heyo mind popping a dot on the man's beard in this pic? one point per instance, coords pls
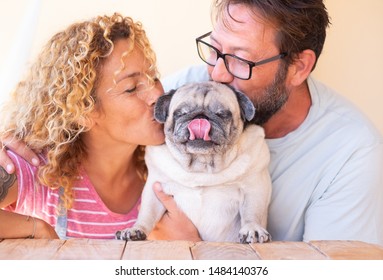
(272, 98)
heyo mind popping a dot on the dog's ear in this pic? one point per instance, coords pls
(245, 104)
(161, 108)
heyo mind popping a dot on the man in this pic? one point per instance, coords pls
(326, 157)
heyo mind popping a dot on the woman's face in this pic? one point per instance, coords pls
(124, 101)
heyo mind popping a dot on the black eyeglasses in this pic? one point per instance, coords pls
(236, 66)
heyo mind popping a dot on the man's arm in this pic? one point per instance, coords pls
(14, 225)
(7, 181)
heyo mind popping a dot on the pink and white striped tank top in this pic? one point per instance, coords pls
(88, 218)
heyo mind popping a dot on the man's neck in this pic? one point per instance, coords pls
(291, 115)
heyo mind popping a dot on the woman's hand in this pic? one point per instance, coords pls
(174, 224)
(20, 148)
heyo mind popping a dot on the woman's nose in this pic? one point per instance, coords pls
(219, 72)
(154, 93)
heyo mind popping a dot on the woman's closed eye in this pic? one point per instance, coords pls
(131, 90)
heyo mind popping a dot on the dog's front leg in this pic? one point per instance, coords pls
(150, 213)
(254, 210)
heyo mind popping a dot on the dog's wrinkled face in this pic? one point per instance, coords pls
(203, 118)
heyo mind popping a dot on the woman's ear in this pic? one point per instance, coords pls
(87, 122)
(302, 66)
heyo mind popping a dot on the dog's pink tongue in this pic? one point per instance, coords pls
(199, 129)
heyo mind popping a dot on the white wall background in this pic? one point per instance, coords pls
(351, 63)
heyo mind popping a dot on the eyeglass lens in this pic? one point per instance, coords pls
(234, 65)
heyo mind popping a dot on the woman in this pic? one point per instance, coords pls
(87, 106)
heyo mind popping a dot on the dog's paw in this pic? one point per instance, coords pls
(131, 234)
(253, 234)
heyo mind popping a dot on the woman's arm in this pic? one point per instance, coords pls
(14, 225)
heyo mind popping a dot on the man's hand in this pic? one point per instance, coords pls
(20, 148)
(174, 225)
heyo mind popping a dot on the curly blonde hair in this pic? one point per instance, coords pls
(49, 108)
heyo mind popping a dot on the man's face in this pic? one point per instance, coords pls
(243, 34)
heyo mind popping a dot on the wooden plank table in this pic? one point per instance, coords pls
(88, 249)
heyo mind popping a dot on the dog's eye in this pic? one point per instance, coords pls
(180, 112)
(224, 114)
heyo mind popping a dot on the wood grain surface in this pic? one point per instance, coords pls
(88, 249)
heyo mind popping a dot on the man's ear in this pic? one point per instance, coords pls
(302, 66)
(161, 108)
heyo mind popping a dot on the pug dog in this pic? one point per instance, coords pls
(214, 163)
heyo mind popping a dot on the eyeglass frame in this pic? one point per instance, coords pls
(250, 63)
